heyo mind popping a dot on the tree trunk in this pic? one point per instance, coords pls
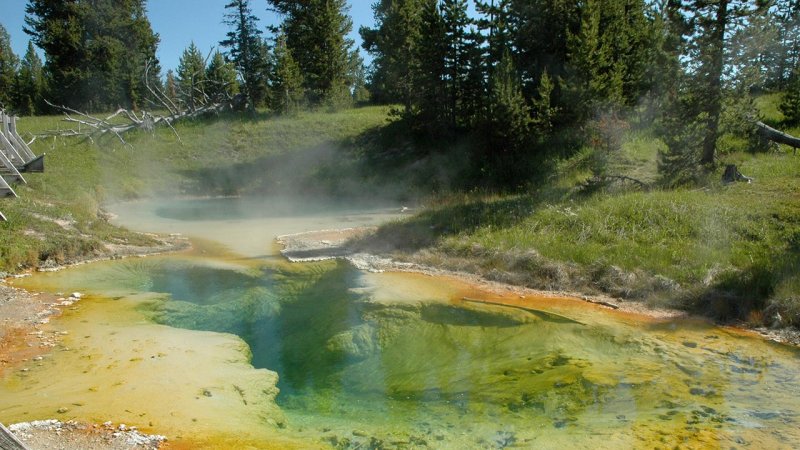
(777, 136)
(714, 93)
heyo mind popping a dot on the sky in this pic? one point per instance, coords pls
(178, 22)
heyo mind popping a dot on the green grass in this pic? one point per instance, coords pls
(768, 106)
(58, 214)
(722, 250)
(739, 242)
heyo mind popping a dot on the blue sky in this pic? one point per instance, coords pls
(180, 21)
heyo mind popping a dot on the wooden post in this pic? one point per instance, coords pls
(22, 147)
(5, 189)
(9, 170)
(6, 143)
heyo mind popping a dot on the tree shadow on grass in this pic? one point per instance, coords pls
(432, 225)
(378, 164)
(752, 294)
(286, 172)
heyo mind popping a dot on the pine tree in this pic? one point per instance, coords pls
(260, 90)
(509, 124)
(130, 25)
(715, 22)
(316, 33)
(393, 44)
(539, 35)
(790, 106)
(677, 165)
(96, 52)
(30, 83)
(431, 86)
(361, 94)
(220, 77)
(591, 65)
(509, 117)
(473, 94)
(287, 80)
(497, 21)
(609, 56)
(56, 28)
(8, 70)
(191, 78)
(171, 87)
(677, 111)
(456, 20)
(786, 18)
(542, 110)
(245, 49)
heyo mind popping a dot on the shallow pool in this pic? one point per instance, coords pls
(230, 346)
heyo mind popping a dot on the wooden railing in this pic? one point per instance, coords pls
(15, 157)
(8, 441)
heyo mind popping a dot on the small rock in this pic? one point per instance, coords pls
(360, 433)
(62, 410)
(777, 321)
(77, 295)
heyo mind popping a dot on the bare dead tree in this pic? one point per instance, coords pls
(123, 120)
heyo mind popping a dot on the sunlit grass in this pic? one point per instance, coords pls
(721, 249)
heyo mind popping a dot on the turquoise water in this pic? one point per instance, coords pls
(393, 360)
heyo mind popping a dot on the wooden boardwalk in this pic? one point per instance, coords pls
(8, 441)
(15, 157)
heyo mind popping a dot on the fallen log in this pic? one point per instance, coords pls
(778, 136)
(90, 126)
(124, 120)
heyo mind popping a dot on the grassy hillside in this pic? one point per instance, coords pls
(57, 215)
(730, 251)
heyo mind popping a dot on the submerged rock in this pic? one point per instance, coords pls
(358, 342)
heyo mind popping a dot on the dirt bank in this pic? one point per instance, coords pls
(328, 244)
(52, 434)
(346, 244)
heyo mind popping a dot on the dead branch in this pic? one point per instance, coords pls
(777, 136)
(89, 126)
(162, 97)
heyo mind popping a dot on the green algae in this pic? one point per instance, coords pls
(483, 374)
(397, 360)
